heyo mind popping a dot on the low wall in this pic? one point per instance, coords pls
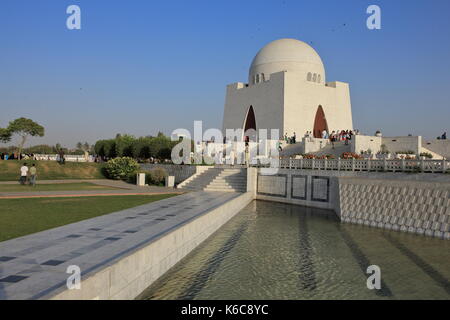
(311, 188)
(130, 276)
(181, 172)
(418, 203)
(441, 147)
(314, 145)
(398, 144)
(416, 207)
(364, 143)
(393, 144)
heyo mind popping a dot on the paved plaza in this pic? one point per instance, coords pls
(34, 266)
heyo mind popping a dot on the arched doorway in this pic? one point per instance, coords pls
(320, 123)
(250, 125)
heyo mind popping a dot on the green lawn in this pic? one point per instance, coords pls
(53, 187)
(19, 217)
(51, 170)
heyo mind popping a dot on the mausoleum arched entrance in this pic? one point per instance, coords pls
(320, 123)
(250, 126)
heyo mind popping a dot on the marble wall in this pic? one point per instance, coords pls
(416, 207)
(181, 172)
(416, 203)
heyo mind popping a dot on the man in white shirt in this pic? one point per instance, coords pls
(23, 173)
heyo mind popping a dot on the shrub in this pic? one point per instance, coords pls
(350, 155)
(121, 168)
(426, 155)
(156, 176)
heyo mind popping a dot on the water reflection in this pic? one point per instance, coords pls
(280, 251)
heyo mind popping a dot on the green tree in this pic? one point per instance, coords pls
(5, 135)
(124, 145)
(25, 128)
(40, 149)
(142, 148)
(105, 148)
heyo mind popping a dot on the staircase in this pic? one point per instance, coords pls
(218, 179)
(435, 155)
(292, 149)
(339, 148)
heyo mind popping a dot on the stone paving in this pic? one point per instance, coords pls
(34, 266)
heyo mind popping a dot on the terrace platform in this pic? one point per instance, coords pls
(145, 237)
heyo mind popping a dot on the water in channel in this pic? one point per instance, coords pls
(280, 251)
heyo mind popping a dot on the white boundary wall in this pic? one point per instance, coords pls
(416, 203)
(131, 275)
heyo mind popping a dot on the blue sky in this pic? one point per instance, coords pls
(142, 66)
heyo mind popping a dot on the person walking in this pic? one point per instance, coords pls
(332, 139)
(279, 148)
(23, 174)
(33, 175)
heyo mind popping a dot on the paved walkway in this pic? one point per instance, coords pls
(122, 188)
(96, 181)
(34, 266)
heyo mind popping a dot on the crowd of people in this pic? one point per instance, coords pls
(15, 156)
(335, 136)
(290, 140)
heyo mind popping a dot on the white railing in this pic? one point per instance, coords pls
(68, 158)
(400, 165)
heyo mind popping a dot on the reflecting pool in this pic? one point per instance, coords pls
(281, 251)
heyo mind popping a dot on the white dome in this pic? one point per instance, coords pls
(289, 55)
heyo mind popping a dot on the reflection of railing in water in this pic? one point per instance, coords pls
(400, 165)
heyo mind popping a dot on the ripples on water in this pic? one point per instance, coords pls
(280, 251)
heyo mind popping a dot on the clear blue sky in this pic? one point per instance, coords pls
(141, 66)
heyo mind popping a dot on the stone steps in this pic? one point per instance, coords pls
(217, 179)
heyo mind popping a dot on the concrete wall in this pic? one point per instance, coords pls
(396, 144)
(314, 145)
(393, 144)
(418, 203)
(441, 147)
(181, 172)
(130, 276)
(364, 143)
(302, 99)
(311, 188)
(266, 98)
(416, 207)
